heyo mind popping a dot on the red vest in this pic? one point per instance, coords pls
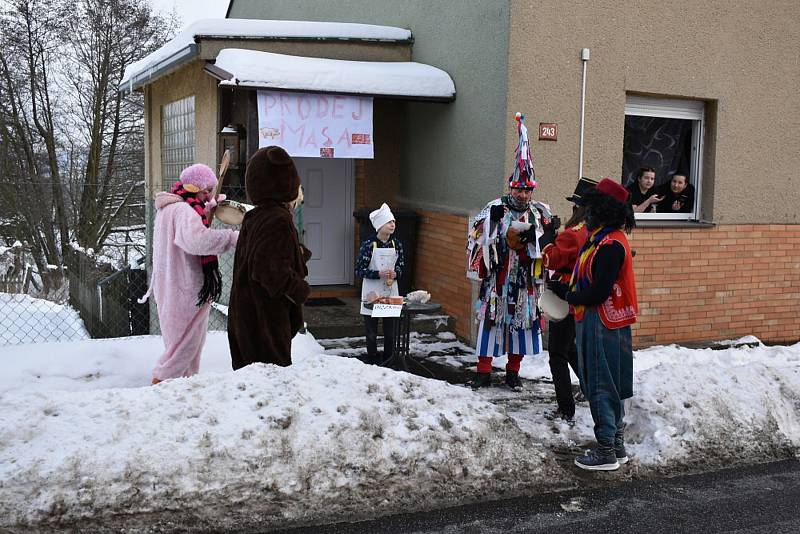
(621, 307)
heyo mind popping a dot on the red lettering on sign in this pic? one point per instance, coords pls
(303, 107)
(338, 104)
(328, 140)
(322, 106)
(344, 137)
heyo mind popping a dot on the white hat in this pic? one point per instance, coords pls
(381, 216)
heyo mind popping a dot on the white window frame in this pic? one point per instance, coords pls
(667, 108)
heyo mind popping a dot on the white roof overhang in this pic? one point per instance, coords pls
(184, 46)
(265, 70)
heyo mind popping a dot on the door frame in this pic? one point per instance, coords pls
(350, 200)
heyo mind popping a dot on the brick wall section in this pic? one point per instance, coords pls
(694, 285)
(441, 263)
(717, 283)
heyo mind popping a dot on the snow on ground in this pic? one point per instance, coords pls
(25, 319)
(326, 436)
(82, 435)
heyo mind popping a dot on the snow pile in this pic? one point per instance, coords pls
(700, 407)
(82, 437)
(26, 319)
(325, 437)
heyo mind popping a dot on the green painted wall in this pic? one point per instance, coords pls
(454, 155)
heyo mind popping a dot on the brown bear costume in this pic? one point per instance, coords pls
(269, 287)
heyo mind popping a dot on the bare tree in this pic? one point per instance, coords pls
(105, 36)
(71, 145)
(30, 39)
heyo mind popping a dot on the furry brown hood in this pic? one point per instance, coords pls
(271, 175)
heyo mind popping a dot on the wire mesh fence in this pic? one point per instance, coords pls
(80, 299)
(86, 297)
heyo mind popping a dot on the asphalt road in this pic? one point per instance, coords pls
(763, 498)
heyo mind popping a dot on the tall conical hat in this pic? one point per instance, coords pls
(523, 177)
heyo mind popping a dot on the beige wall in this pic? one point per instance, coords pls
(186, 81)
(354, 50)
(740, 56)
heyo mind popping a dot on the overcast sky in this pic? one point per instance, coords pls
(191, 10)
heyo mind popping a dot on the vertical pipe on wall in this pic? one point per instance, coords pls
(584, 61)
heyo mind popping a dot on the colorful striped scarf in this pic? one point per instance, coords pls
(580, 274)
(212, 281)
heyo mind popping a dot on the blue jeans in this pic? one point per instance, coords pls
(605, 370)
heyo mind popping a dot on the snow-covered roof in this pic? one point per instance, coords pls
(251, 68)
(183, 48)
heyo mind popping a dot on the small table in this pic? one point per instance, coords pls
(402, 333)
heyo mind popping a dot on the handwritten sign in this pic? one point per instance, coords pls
(315, 125)
(387, 310)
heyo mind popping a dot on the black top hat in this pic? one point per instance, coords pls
(584, 185)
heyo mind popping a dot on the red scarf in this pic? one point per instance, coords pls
(212, 281)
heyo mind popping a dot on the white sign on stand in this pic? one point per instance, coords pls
(387, 310)
(316, 125)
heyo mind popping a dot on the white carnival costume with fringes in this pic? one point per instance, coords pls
(511, 280)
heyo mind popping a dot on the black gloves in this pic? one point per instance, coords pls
(548, 237)
(528, 235)
(496, 212)
(559, 289)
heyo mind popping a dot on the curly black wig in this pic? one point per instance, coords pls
(605, 210)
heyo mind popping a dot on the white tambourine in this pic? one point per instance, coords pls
(232, 212)
(553, 308)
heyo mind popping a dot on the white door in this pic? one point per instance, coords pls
(328, 185)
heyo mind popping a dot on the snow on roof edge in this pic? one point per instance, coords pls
(252, 68)
(254, 29)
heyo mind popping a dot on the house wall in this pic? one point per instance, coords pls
(186, 81)
(739, 57)
(694, 283)
(443, 144)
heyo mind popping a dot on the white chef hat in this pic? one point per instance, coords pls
(381, 216)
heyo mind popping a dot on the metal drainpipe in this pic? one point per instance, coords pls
(584, 60)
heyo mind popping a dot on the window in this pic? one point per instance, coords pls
(177, 139)
(666, 135)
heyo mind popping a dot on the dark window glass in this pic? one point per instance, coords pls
(661, 143)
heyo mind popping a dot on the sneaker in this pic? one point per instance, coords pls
(621, 454)
(553, 415)
(597, 460)
(480, 380)
(513, 381)
(619, 448)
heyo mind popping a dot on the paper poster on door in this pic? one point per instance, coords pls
(315, 125)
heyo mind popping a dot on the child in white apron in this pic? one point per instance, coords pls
(380, 264)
